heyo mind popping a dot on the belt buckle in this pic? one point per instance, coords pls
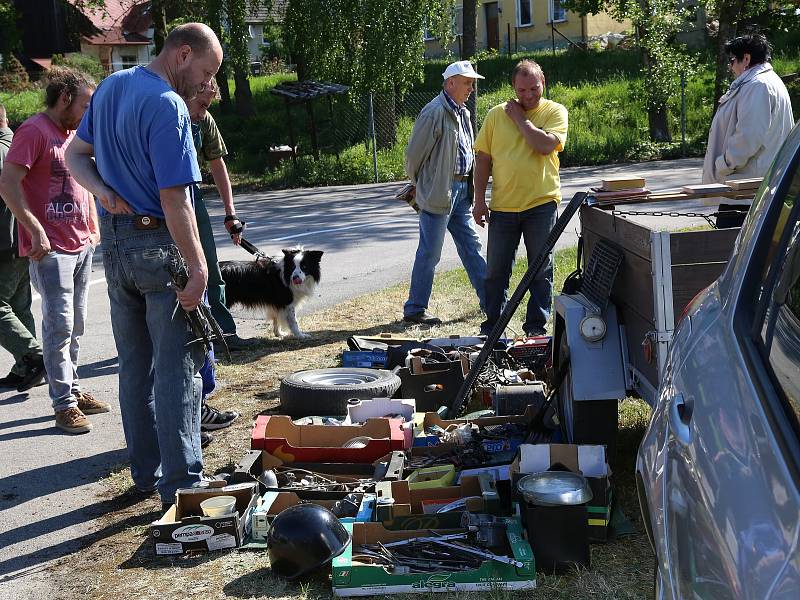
(146, 222)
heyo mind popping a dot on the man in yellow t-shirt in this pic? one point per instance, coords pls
(519, 145)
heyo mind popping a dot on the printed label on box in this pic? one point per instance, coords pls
(221, 541)
(175, 548)
(192, 533)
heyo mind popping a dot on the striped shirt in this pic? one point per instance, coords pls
(466, 155)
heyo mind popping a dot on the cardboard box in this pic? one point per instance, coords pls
(369, 359)
(274, 503)
(407, 509)
(357, 579)
(279, 436)
(589, 461)
(491, 446)
(362, 410)
(183, 528)
(255, 462)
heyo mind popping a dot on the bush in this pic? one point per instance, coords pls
(81, 62)
(13, 76)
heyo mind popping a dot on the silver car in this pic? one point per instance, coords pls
(718, 470)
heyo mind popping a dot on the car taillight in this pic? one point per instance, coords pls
(690, 306)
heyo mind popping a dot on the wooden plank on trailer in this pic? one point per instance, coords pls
(707, 246)
(688, 280)
(636, 330)
(623, 232)
(633, 285)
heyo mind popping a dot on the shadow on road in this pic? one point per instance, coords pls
(19, 566)
(99, 368)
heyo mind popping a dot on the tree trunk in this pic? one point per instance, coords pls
(470, 35)
(244, 97)
(215, 22)
(658, 124)
(729, 11)
(385, 119)
(159, 23)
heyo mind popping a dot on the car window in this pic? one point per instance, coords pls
(780, 332)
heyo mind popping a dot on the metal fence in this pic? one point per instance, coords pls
(378, 122)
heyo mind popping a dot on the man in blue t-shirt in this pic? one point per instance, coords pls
(138, 131)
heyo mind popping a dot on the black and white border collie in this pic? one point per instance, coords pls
(278, 286)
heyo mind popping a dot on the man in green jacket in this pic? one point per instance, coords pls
(439, 162)
(17, 329)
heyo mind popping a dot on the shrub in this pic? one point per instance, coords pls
(81, 62)
(13, 76)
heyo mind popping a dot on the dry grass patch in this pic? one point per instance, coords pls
(119, 565)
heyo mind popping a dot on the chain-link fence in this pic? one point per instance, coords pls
(367, 133)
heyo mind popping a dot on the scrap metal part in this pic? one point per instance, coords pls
(202, 323)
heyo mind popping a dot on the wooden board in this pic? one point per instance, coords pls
(707, 246)
(688, 280)
(623, 232)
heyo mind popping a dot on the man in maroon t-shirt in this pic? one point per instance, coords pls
(58, 232)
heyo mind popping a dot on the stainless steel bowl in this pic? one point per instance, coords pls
(555, 488)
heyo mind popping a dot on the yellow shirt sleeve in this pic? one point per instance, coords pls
(483, 143)
(556, 122)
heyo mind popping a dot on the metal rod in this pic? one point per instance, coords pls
(374, 143)
(513, 303)
(683, 114)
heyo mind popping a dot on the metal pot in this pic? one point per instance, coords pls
(555, 488)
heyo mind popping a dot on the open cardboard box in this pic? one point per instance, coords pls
(590, 461)
(491, 446)
(183, 528)
(353, 578)
(407, 511)
(386, 468)
(279, 436)
(274, 503)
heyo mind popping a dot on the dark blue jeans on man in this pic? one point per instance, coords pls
(159, 389)
(505, 229)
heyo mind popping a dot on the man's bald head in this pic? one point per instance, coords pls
(199, 37)
(191, 56)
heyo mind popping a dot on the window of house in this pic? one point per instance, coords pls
(458, 20)
(128, 60)
(557, 12)
(427, 34)
(524, 13)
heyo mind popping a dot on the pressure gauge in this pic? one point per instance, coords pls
(593, 328)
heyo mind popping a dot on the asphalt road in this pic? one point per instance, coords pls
(48, 479)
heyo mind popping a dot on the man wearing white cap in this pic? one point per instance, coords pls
(439, 162)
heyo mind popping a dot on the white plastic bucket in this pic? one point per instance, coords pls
(218, 506)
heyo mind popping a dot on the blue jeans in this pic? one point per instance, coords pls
(505, 229)
(432, 226)
(62, 281)
(159, 389)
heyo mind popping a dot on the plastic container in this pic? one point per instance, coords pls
(218, 506)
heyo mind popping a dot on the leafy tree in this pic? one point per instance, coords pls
(656, 23)
(372, 45)
(9, 32)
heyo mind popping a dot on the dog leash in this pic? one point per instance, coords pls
(253, 249)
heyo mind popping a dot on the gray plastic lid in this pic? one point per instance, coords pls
(555, 488)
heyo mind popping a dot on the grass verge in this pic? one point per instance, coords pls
(119, 564)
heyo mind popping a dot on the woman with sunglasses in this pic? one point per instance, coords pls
(753, 117)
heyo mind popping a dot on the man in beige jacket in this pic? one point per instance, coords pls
(439, 162)
(753, 118)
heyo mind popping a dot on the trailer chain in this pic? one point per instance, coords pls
(675, 213)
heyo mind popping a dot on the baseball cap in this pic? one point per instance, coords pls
(462, 67)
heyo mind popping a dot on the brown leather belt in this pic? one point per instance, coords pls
(146, 222)
(460, 177)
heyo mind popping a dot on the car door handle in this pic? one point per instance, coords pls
(680, 417)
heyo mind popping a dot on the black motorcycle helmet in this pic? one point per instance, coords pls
(303, 538)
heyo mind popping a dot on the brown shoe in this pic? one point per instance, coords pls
(89, 405)
(72, 420)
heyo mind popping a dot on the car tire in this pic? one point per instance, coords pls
(586, 421)
(326, 391)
